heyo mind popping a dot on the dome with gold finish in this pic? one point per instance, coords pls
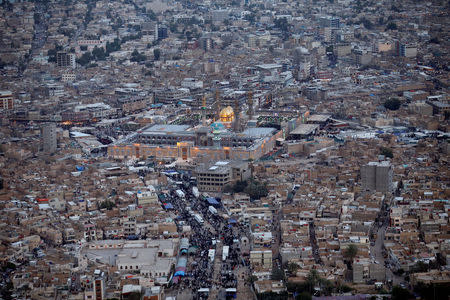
(227, 115)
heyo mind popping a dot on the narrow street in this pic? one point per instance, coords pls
(315, 248)
(217, 264)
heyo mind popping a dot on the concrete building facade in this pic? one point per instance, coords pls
(49, 141)
(377, 176)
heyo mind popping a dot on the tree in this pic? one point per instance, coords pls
(391, 26)
(114, 46)
(367, 23)
(420, 267)
(107, 204)
(303, 296)
(228, 188)
(250, 17)
(350, 252)
(387, 152)
(156, 54)
(432, 291)
(282, 24)
(312, 280)
(292, 267)
(239, 186)
(252, 279)
(99, 53)
(52, 53)
(136, 56)
(392, 104)
(434, 40)
(256, 190)
(399, 293)
(277, 274)
(85, 59)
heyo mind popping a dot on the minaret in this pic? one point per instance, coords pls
(250, 105)
(204, 111)
(237, 119)
(217, 104)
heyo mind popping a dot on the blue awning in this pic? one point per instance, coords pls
(232, 221)
(168, 206)
(212, 201)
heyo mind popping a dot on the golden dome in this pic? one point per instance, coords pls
(227, 114)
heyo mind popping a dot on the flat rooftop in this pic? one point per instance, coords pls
(304, 129)
(318, 118)
(269, 66)
(165, 128)
(258, 132)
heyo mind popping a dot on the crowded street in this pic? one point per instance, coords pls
(205, 277)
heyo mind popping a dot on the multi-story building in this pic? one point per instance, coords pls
(99, 288)
(329, 21)
(212, 178)
(64, 59)
(377, 176)
(184, 142)
(408, 50)
(171, 95)
(49, 141)
(132, 104)
(261, 257)
(68, 77)
(6, 100)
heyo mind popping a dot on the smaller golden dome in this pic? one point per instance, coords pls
(227, 114)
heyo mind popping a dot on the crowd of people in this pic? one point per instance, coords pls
(204, 236)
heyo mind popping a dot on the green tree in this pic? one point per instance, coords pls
(52, 53)
(136, 56)
(99, 53)
(156, 54)
(391, 26)
(399, 293)
(303, 296)
(350, 252)
(277, 274)
(312, 280)
(392, 104)
(282, 24)
(292, 267)
(387, 152)
(250, 17)
(256, 190)
(85, 59)
(112, 47)
(239, 186)
(252, 279)
(107, 204)
(434, 40)
(367, 23)
(420, 267)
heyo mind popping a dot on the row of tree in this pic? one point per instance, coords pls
(251, 187)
